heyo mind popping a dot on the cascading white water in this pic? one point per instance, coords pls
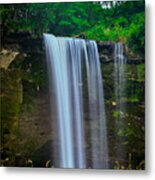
(120, 81)
(119, 61)
(67, 59)
(96, 109)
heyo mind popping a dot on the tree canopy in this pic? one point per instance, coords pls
(107, 21)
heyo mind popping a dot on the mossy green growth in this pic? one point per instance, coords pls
(116, 114)
(141, 72)
(11, 100)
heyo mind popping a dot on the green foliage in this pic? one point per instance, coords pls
(136, 33)
(124, 21)
(129, 166)
(58, 18)
(116, 114)
(134, 98)
(126, 132)
(141, 72)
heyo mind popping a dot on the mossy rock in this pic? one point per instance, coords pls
(11, 99)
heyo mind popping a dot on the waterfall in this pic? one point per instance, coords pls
(75, 82)
(119, 74)
(119, 86)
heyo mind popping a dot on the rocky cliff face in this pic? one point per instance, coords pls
(25, 102)
(22, 70)
(106, 51)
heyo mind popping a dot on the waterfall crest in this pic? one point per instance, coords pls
(75, 82)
